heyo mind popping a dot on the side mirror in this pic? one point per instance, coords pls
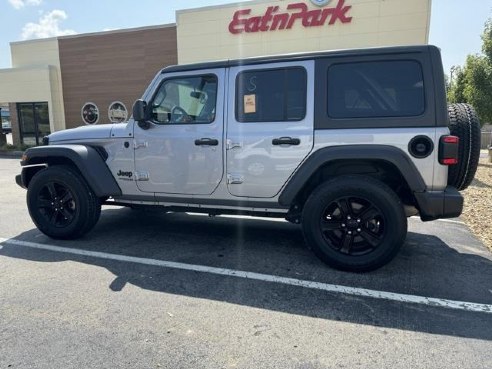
(139, 110)
(140, 113)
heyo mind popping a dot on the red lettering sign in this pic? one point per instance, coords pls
(274, 20)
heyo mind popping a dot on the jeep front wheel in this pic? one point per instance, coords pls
(61, 204)
(354, 223)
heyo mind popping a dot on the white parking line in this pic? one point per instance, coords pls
(443, 220)
(382, 295)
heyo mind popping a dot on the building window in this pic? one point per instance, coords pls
(117, 112)
(190, 100)
(34, 122)
(376, 90)
(275, 95)
(5, 120)
(90, 113)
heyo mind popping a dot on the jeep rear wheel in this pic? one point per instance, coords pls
(464, 123)
(354, 223)
(61, 204)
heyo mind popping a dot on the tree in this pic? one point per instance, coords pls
(472, 83)
(456, 90)
(478, 90)
(487, 40)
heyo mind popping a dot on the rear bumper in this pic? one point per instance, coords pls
(439, 204)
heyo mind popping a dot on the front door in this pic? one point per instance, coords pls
(181, 152)
(34, 122)
(270, 126)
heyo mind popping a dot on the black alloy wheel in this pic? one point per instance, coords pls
(61, 203)
(353, 226)
(354, 223)
(56, 204)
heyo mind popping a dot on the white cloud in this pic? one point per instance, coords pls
(48, 26)
(18, 4)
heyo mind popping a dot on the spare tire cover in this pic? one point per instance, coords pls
(464, 123)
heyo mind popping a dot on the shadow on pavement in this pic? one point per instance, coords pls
(480, 184)
(426, 266)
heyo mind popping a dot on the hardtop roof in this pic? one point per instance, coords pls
(300, 56)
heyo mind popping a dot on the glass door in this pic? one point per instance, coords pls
(42, 119)
(26, 123)
(34, 122)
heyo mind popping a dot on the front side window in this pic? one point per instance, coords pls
(376, 90)
(275, 95)
(186, 100)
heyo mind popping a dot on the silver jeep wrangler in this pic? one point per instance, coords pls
(346, 143)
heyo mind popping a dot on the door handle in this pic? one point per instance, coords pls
(286, 141)
(207, 142)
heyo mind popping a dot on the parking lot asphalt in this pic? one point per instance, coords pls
(125, 296)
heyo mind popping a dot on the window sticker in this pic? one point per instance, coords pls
(252, 84)
(249, 104)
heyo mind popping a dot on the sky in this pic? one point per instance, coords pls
(456, 25)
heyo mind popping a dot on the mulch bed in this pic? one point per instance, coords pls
(477, 213)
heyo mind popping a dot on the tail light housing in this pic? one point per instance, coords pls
(449, 150)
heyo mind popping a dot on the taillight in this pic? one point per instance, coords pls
(448, 150)
(449, 161)
(451, 139)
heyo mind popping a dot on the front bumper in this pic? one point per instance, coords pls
(19, 180)
(439, 204)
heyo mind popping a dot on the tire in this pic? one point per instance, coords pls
(464, 123)
(354, 223)
(61, 203)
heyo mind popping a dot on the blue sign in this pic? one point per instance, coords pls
(320, 2)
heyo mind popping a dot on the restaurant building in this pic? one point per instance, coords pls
(94, 78)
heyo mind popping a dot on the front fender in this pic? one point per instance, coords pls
(86, 159)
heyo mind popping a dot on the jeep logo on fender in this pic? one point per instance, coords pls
(124, 174)
(274, 19)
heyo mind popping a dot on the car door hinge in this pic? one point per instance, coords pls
(139, 144)
(233, 145)
(234, 179)
(142, 176)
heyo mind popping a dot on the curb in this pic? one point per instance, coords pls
(11, 154)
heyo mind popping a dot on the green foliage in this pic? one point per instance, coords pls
(479, 87)
(456, 89)
(487, 40)
(472, 83)
(9, 147)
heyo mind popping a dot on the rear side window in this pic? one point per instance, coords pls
(376, 90)
(275, 95)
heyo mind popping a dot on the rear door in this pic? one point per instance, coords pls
(269, 125)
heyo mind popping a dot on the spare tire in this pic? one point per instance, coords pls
(464, 123)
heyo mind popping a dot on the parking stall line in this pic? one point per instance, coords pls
(353, 291)
(443, 220)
